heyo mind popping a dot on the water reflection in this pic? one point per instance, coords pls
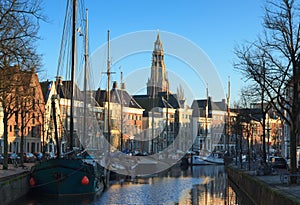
(48, 200)
(195, 185)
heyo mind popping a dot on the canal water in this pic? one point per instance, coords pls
(207, 185)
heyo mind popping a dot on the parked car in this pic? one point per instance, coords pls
(49, 155)
(269, 158)
(38, 156)
(13, 156)
(29, 157)
(278, 162)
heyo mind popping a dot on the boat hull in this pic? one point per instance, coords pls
(197, 160)
(214, 160)
(65, 177)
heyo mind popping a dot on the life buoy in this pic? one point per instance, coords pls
(85, 180)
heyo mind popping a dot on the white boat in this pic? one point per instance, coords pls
(215, 157)
(199, 160)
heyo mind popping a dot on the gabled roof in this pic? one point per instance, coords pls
(162, 100)
(100, 96)
(122, 96)
(199, 107)
(220, 106)
(46, 85)
(24, 80)
(64, 90)
(116, 96)
(203, 103)
(249, 113)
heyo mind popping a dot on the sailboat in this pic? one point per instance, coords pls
(69, 173)
(218, 157)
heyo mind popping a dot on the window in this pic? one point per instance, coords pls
(33, 91)
(63, 110)
(33, 119)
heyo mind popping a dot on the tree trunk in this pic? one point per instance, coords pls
(294, 131)
(22, 136)
(5, 135)
(264, 155)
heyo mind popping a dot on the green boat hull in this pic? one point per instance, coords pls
(66, 177)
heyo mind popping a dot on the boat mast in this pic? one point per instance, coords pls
(55, 127)
(86, 58)
(206, 116)
(108, 91)
(73, 67)
(152, 117)
(228, 117)
(167, 118)
(121, 76)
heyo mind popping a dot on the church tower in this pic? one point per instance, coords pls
(158, 82)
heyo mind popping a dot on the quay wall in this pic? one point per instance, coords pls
(14, 187)
(258, 191)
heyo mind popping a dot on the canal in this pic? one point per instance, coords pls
(192, 185)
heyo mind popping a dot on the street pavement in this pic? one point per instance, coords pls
(11, 171)
(276, 179)
(286, 188)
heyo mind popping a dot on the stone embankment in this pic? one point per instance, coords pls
(14, 183)
(264, 190)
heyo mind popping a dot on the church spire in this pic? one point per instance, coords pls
(158, 44)
(158, 82)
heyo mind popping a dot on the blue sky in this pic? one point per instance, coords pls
(215, 26)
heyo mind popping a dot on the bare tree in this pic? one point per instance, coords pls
(19, 25)
(9, 85)
(273, 63)
(252, 95)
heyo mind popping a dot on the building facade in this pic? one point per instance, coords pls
(25, 112)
